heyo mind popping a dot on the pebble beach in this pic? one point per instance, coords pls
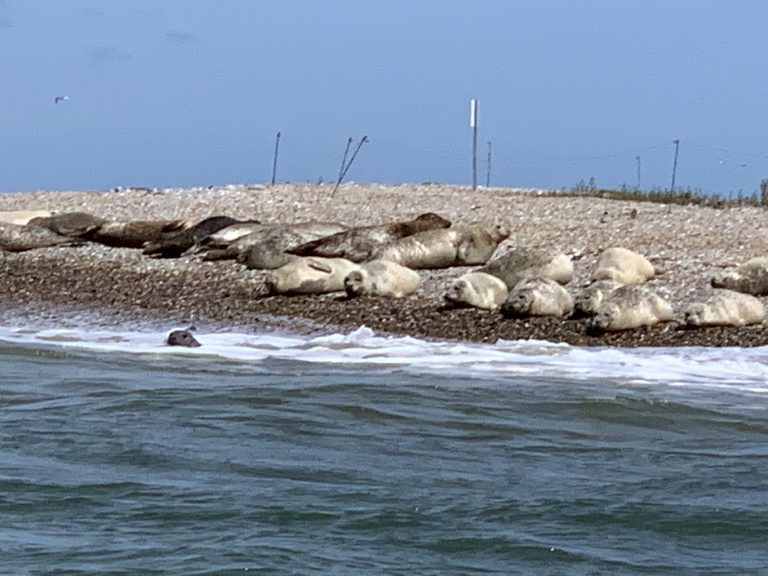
(687, 244)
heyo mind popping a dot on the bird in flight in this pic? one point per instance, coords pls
(58, 99)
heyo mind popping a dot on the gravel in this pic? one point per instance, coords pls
(687, 244)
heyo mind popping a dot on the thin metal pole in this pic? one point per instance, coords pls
(674, 165)
(341, 168)
(488, 168)
(474, 158)
(363, 140)
(274, 161)
(345, 165)
(638, 171)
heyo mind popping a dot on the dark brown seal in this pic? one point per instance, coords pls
(174, 244)
(132, 234)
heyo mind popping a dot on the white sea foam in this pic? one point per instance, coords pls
(731, 368)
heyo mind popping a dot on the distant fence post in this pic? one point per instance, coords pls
(344, 164)
(674, 165)
(473, 125)
(274, 160)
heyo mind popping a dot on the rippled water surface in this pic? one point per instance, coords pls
(358, 455)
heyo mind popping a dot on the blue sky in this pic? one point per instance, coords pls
(192, 92)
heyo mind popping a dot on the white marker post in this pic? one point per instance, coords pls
(473, 125)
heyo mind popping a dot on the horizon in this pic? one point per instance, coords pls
(190, 93)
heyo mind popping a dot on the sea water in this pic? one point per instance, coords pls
(361, 453)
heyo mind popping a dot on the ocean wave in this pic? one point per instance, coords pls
(743, 368)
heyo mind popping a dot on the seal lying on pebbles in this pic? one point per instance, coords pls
(359, 244)
(586, 302)
(381, 278)
(725, 308)
(182, 338)
(622, 265)
(310, 276)
(751, 277)
(271, 253)
(174, 244)
(537, 297)
(69, 223)
(132, 234)
(478, 290)
(19, 238)
(630, 307)
(465, 245)
(285, 235)
(520, 263)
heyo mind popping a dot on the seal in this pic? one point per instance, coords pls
(725, 308)
(359, 244)
(276, 235)
(466, 245)
(132, 234)
(630, 307)
(539, 296)
(19, 238)
(182, 338)
(588, 300)
(69, 223)
(623, 265)
(309, 276)
(381, 278)
(519, 263)
(174, 244)
(751, 277)
(478, 290)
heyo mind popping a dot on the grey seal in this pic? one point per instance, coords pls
(381, 278)
(519, 263)
(751, 277)
(725, 308)
(628, 307)
(182, 338)
(465, 245)
(19, 238)
(310, 276)
(132, 234)
(476, 289)
(359, 244)
(623, 265)
(538, 296)
(69, 223)
(174, 244)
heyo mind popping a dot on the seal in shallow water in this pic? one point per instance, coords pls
(182, 338)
